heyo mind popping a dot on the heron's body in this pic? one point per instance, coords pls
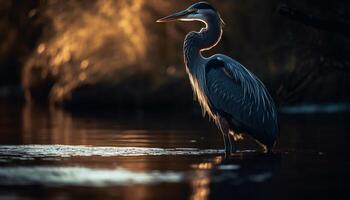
(228, 92)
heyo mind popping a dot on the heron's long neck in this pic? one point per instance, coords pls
(196, 42)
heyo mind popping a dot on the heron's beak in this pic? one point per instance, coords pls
(176, 16)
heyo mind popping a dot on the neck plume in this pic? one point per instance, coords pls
(206, 39)
(196, 42)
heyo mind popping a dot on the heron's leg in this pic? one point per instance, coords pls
(233, 143)
(224, 128)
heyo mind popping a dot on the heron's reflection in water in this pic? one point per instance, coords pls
(221, 176)
(201, 183)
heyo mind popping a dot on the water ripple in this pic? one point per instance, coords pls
(82, 176)
(30, 152)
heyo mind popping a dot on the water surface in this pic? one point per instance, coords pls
(48, 153)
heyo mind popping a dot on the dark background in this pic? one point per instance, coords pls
(94, 53)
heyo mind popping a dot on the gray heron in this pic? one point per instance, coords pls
(236, 100)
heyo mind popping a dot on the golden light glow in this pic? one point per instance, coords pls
(91, 42)
(236, 136)
(120, 21)
(132, 26)
(201, 188)
(200, 185)
(84, 64)
(206, 165)
(41, 48)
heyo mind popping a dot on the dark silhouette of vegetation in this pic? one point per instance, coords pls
(324, 65)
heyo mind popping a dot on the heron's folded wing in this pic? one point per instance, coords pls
(233, 90)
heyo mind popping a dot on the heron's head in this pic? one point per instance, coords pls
(201, 11)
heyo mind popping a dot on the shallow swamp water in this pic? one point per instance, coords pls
(48, 153)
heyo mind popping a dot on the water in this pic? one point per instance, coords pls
(47, 153)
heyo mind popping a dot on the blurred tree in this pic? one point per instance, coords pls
(113, 52)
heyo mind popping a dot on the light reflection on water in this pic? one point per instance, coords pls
(31, 152)
(107, 155)
(82, 176)
(316, 108)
